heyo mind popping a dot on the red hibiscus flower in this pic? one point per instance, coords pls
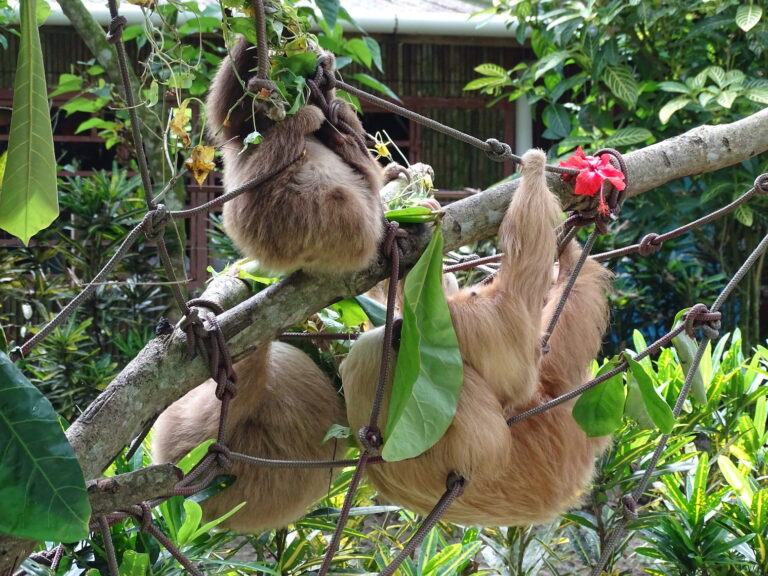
(593, 172)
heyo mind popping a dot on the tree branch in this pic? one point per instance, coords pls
(162, 372)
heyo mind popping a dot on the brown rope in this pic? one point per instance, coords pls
(653, 242)
(454, 487)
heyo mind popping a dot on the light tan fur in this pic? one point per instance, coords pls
(534, 470)
(323, 212)
(283, 408)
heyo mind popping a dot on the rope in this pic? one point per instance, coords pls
(653, 242)
(454, 487)
(495, 150)
(567, 290)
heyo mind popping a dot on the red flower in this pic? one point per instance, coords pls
(593, 172)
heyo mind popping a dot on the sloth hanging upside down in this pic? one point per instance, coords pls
(531, 471)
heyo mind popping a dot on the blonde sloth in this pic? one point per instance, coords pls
(531, 471)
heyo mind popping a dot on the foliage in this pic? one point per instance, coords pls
(429, 372)
(706, 512)
(80, 357)
(611, 73)
(28, 191)
(42, 481)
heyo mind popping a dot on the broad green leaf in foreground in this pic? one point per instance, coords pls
(599, 410)
(656, 407)
(28, 197)
(41, 483)
(429, 371)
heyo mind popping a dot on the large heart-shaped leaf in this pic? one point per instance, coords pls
(41, 483)
(429, 371)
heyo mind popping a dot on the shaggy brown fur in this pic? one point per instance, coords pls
(534, 470)
(283, 409)
(321, 213)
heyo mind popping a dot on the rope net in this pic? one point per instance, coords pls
(205, 337)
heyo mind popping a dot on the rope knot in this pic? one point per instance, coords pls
(699, 316)
(155, 221)
(116, 27)
(225, 387)
(221, 455)
(498, 151)
(761, 184)
(370, 438)
(650, 244)
(630, 507)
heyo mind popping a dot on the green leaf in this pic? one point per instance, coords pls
(329, 10)
(671, 107)
(207, 527)
(759, 510)
(450, 558)
(359, 51)
(41, 483)
(599, 410)
(349, 311)
(747, 16)
(429, 371)
(376, 311)
(557, 120)
(717, 74)
(744, 214)
(3, 341)
(134, 563)
(634, 407)
(626, 137)
(492, 70)
(484, 82)
(697, 506)
(735, 479)
(549, 62)
(67, 83)
(658, 410)
(371, 82)
(193, 514)
(621, 82)
(759, 95)
(28, 198)
(375, 50)
(726, 98)
(412, 214)
(674, 87)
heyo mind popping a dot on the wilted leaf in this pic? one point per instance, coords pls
(178, 125)
(200, 163)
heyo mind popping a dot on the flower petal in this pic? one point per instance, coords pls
(587, 183)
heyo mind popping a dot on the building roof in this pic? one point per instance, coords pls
(411, 17)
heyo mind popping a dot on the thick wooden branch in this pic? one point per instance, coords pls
(162, 371)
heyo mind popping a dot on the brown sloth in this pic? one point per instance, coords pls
(321, 213)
